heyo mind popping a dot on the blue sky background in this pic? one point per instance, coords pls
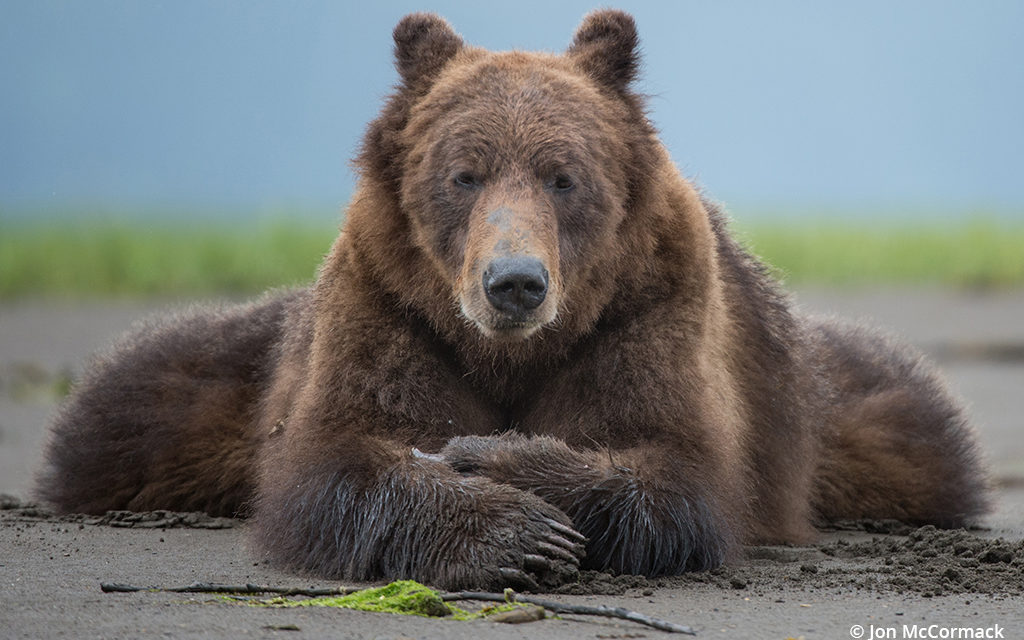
(251, 106)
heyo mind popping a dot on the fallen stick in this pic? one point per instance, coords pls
(508, 596)
(210, 587)
(578, 609)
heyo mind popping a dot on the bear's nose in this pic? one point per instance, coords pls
(515, 284)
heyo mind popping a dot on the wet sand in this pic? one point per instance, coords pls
(878, 575)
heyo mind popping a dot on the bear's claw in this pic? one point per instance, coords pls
(567, 532)
(534, 562)
(519, 580)
(558, 552)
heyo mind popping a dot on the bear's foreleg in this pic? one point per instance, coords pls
(374, 513)
(641, 512)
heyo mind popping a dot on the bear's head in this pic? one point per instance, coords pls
(513, 172)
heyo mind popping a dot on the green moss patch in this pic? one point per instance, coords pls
(404, 597)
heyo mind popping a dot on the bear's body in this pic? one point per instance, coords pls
(534, 346)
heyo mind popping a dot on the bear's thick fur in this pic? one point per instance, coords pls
(533, 347)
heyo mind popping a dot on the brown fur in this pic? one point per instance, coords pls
(660, 397)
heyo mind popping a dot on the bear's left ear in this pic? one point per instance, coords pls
(424, 43)
(605, 47)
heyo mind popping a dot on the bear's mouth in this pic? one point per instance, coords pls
(501, 327)
(512, 329)
(505, 329)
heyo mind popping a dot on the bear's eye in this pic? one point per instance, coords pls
(467, 180)
(562, 183)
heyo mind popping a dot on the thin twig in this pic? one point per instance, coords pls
(551, 605)
(210, 587)
(578, 609)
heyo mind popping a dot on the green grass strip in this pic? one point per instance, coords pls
(122, 259)
(132, 259)
(976, 254)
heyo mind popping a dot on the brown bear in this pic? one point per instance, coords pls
(534, 347)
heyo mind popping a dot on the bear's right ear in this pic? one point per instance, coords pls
(424, 43)
(605, 47)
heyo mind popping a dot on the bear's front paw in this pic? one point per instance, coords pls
(471, 455)
(554, 561)
(548, 554)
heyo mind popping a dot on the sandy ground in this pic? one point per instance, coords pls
(885, 581)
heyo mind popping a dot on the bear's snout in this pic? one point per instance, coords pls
(515, 285)
(509, 286)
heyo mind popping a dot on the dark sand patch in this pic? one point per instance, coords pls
(923, 561)
(13, 509)
(926, 562)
